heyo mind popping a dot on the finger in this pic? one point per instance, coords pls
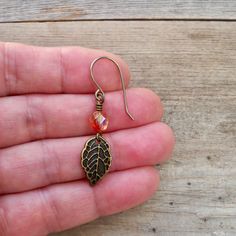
(27, 118)
(29, 69)
(58, 160)
(63, 206)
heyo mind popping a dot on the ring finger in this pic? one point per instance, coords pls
(42, 163)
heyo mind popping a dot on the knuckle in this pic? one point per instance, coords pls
(50, 205)
(9, 67)
(3, 221)
(50, 163)
(35, 119)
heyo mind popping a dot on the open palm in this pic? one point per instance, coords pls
(46, 100)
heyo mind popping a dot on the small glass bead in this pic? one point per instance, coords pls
(98, 121)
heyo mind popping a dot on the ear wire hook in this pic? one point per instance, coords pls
(121, 78)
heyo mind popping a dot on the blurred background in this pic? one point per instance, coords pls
(186, 52)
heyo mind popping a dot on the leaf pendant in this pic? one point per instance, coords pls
(96, 158)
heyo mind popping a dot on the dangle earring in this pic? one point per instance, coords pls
(96, 155)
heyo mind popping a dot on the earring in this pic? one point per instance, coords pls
(96, 155)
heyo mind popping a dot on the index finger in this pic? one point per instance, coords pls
(28, 69)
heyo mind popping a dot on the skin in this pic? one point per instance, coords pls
(46, 100)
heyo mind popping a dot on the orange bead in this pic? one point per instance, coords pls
(98, 121)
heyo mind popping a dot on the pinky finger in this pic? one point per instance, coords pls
(59, 207)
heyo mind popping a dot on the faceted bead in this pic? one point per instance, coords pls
(98, 121)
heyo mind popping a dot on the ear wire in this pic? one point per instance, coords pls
(100, 91)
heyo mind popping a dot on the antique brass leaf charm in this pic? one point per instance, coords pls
(96, 158)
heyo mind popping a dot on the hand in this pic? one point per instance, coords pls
(46, 100)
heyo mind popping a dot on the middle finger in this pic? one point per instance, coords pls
(32, 117)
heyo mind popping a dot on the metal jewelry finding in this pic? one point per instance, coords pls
(96, 155)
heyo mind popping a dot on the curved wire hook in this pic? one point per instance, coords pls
(121, 78)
